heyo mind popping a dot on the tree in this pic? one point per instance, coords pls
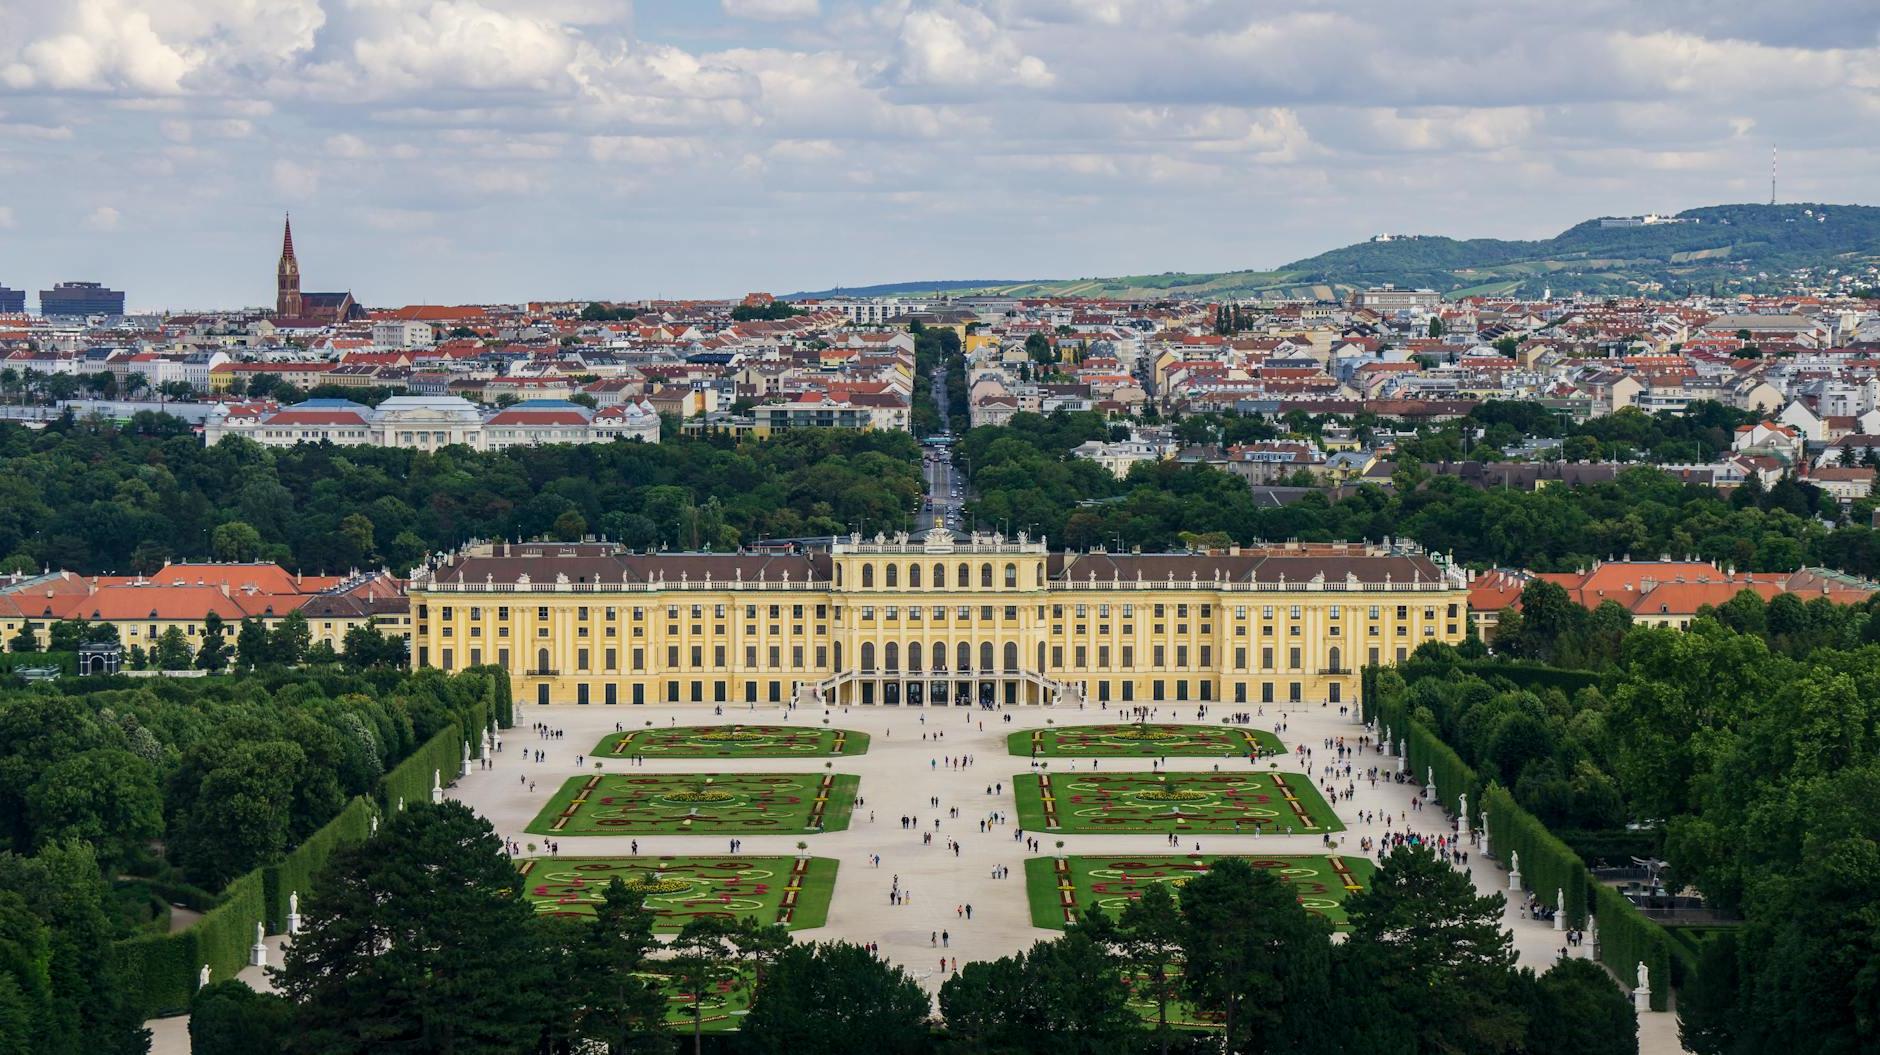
(367, 646)
(107, 797)
(1152, 947)
(1436, 326)
(252, 647)
(1429, 962)
(1253, 956)
(1039, 350)
(27, 640)
(1708, 1003)
(172, 651)
(1577, 1009)
(288, 643)
(701, 954)
(67, 634)
(229, 1018)
(828, 997)
(235, 541)
(619, 1005)
(759, 944)
(421, 940)
(213, 655)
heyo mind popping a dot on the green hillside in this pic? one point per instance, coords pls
(1736, 248)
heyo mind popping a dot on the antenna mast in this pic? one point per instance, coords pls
(1772, 175)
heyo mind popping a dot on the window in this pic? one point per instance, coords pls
(580, 659)
(612, 657)
(1292, 659)
(939, 575)
(985, 576)
(868, 576)
(1011, 576)
(913, 576)
(868, 655)
(892, 575)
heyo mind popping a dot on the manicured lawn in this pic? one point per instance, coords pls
(1079, 884)
(1197, 803)
(699, 804)
(677, 889)
(1144, 740)
(723, 1009)
(732, 741)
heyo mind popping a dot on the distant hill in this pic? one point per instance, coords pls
(896, 289)
(1734, 248)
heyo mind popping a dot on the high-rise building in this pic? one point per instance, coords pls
(81, 298)
(12, 301)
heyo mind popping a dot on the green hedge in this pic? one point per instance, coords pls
(1521, 675)
(1627, 939)
(1548, 866)
(160, 969)
(294, 873)
(410, 781)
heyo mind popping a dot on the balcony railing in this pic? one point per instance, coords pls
(543, 673)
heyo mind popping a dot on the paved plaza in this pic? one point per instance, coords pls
(948, 856)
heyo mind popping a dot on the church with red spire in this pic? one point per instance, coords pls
(306, 311)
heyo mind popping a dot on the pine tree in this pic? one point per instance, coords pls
(421, 941)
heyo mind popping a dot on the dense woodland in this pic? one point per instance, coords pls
(119, 797)
(94, 497)
(1021, 478)
(1745, 750)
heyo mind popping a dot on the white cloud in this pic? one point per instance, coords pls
(103, 218)
(954, 48)
(294, 180)
(772, 10)
(6, 217)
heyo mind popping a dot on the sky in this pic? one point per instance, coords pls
(502, 150)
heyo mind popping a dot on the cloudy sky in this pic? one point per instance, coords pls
(462, 150)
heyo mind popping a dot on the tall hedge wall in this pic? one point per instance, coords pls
(1548, 866)
(161, 969)
(410, 781)
(1627, 939)
(294, 873)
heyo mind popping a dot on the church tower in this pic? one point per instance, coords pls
(287, 277)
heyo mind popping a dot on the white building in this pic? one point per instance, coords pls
(433, 422)
(398, 334)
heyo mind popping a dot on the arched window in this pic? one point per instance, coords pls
(913, 653)
(985, 575)
(985, 656)
(1040, 575)
(868, 576)
(1011, 656)
(940, 656)
(868, 655)
(838, 665)
(939, 576)
(966, 657)
(1333, 657)
(541, 661)
(1011, 576)
(913, 576)
(966, 576)
(1041, 657)
(891, 656)
(838, 576)
(893, 575)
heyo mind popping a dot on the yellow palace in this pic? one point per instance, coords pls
(941, 619)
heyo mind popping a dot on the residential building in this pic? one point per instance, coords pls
(79, 299)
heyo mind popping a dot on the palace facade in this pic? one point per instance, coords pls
(942, 619)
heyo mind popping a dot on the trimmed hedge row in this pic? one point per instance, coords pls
(294, 873)
(1429, 756)
(1548, 866)
(1627, 939)
(161, 969)
(1521, 675)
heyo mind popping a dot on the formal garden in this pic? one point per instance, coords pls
(675, 890)
(1086, 803)
(699, 804)
(1145, 740)
(732, 741)
(1063, 889)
